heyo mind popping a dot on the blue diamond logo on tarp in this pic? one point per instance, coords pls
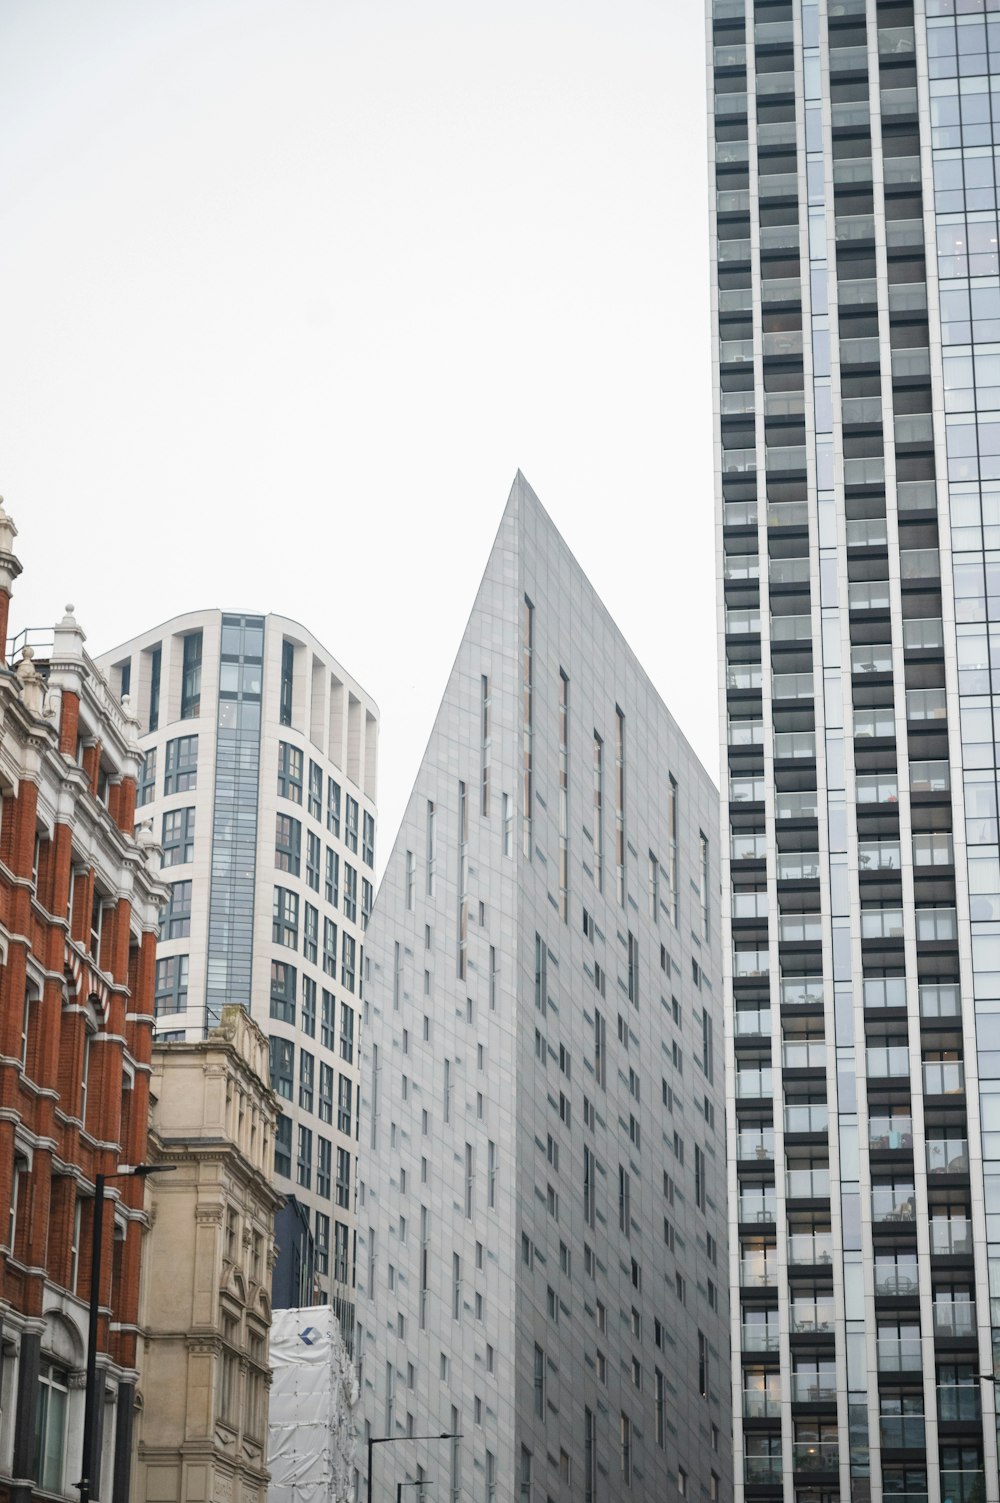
(309, 1335)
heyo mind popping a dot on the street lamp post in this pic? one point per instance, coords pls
(90, 1408)
(388, 1440)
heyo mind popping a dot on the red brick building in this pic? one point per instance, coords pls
(79, 906)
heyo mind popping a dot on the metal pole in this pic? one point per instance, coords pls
(90, 1398)
(371, 1447)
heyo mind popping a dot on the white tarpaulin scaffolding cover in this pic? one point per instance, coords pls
(313, 1394)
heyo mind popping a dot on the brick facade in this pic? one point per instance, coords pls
(79, 904)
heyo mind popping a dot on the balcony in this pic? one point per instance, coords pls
(816, 1455)
(851, 172)
(865, 471)
(866, 532)
(903, 172)
(884, 991)
(741, 623)
(791, 628)
(738, 403)
(944, 1078)
(930, 777)
(898, 1279)
(732, 55)
(809, 1316)
(881, 923)
(727, 105)
(775, 83)
(788, 571)
(779, 237)
(753, 1023)
(762, 1471)
(902, 1432)
(893, 1203)
(937, 924)
(954, 1319)
(919, 563)
(760, 1336)
(748, 905)
(734, 250)
(800, 928)
(923, 634)
(877, 722)
(763, 1403)
(868, 595)
(782, 290)
(879, 856)
(877, 788)
(783, 404)
(865, 351)
(810, 1248)
(926, 704)
(849, 116)
(904, 234)
(963, 1485)
(916, 495)
(899, 1354)
(746, 790)
(739, 462)
(951, 1237)
(933, 848)
(910, 365)
(793, 744)
(787, 513)
(871, 657)
(746, 733)
(851, 228)
(959, 1403)
(814, 1387)
(803, 805)
(805, 1054)
(896, 41)
(735, 351)
(754, 1084)
(748, 847)
(751, 963)
(759, 1272)
(890, 1133)
(740, 567)
(792, 686)
(807, 1184)
(887, 1061)
(941, 1000)
(859, 292)
(773, 33)
(798, 866)
(739, 514)
(896, 102)
(806, 1117)
(784, 344)
(802, 991)
(755, 1144)
(915, 428)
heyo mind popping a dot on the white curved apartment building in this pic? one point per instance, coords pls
(259, 780)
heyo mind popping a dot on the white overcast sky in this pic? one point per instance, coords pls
(290, 288)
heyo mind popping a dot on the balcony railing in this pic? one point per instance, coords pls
(803, 805)
(804, 1054)
(763, 1403)
(885, 991)
(813, 1388)
(807, 1184)
(816, 1455)
(755, 1143)
(741, 566)
(926, 704)
(756, 1024)
(899, 1354)
(812, 1315)
(761, 1470)
(746, 790)
(877, 788)
(784, 343)
(923, 634)
(916, 495)
(746, 733)
(792, 686)
(759, 1337)
(917, 427)
(891, 1132)
(743, 676)
(868, 595)
(800, 928)
(872, 657)
(896, 41)
(951, 1236)
(735, 351)
(895, 1279)
(801, 991)
(749, 904)
(737, 404)
(739, 514)
(933, 848)
(759, 1273)
(798, 866)
(788, 744)
(902, 1432)
(937, 923)
(850, 228)
(898, 102)
(807, 1116)
(944, 1078)
(947, 1155)
(789, 571)
(791, 628)
(864, 351)
(940, 1000)
(876, 721)
(893, 1203)
(879, 855)
(886, 1061)
(753, 1084)
(810, 1248)
(881, 923)
(742, 623)
(954, 1318)
(869, 470)
(748, 846)
(930, 777)
(751, 963)
(901, 234)
(866, 532)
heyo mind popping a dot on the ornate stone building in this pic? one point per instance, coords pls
(79, 908)
(206, 1304)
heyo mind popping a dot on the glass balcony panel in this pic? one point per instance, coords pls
(763, 1403)
(937, 923)
(885, 991)
(739, 514)
(861, 409)
(933, 849)
(751, 1084)
(930, 777)
(784, 404)
(926, 704)
(916, 428)
(866, 532)
(813, 1388)
(798, 866)
(954, 1318)
(916, 495)
(898, 102)
(732, 55)
(884, 1061)
(852, 227)
(951, 1236)
(848, 59)
(759, 1337)
(747, 905)
(898, 1354)
(743, 676)
(941, 1000)
(816, 1455)
(963, 1485)
(804, 1054)
(910, 364)
(879, 855)
(791, 628)
(846, 116)
(735, 351)
(778, 237)
(800, 928)
(751, 963)
(746, 733)
(781, 290)
(741, 566)
(792, 686)
(895, 1279)
(901, 234)
(762, 1470)
(732, 200)
(772, 33)
(868, 595)
(902, 1432)
(748, 847)
(947, 1155)
(807, 1184)
(896, 41)
(742, 623)
(727, 105)
(919, 563)
(789, 571)
(739, 461)
(872, 657)
(858, 292)
(881, 923)
(753, 1023)
(864, 471)
(802, 991)
(755, 1143)
(877, 788)
(890, 1132)
(738, 404)
(852, 171)
(788, 744)
(923, 634)
(807, 1116)
(944, 1078)
(900, 172)
(892, 1203)
(746, 790)
(784, 343)
(728, 153)
(876, 721)
(810, 1248)
(959, 1401)
(812, 1315)
(786, 513)
(734, 250)
(775, 83)
(864, 351)
(803, 805)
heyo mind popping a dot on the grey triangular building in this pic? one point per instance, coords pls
(541, 1224)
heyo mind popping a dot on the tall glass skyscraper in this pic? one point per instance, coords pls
(857, 324)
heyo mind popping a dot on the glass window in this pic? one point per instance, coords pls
(304, 1160)
(289, 772)
(310, 933)
(191, 676)
(51, 1413)
(327, 1019)
(178, 837)
(351, 823)
(155, 663)
(287, 844)
(176, 922)
(171, 988)
(146, 787)
(282, 991)
(331, 889)
(330, 947)
(333, 807)
(350, 892)
(345, 1092)
(306, 1076)
(287, 679)
(343, 1177)
(308, 1018)
(326, 1073)
(348, 950)
(282, 1059)
(315, 790)
(283, 1147)
(324, 1167)
(181, 773)
(346, 1033)
(312, 860)
(285, 918)
(368, 839)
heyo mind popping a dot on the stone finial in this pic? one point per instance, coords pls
(10, 567)
(8, 532)
(145, 837)
(69, 639)
(132, 723)
(31, 682)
